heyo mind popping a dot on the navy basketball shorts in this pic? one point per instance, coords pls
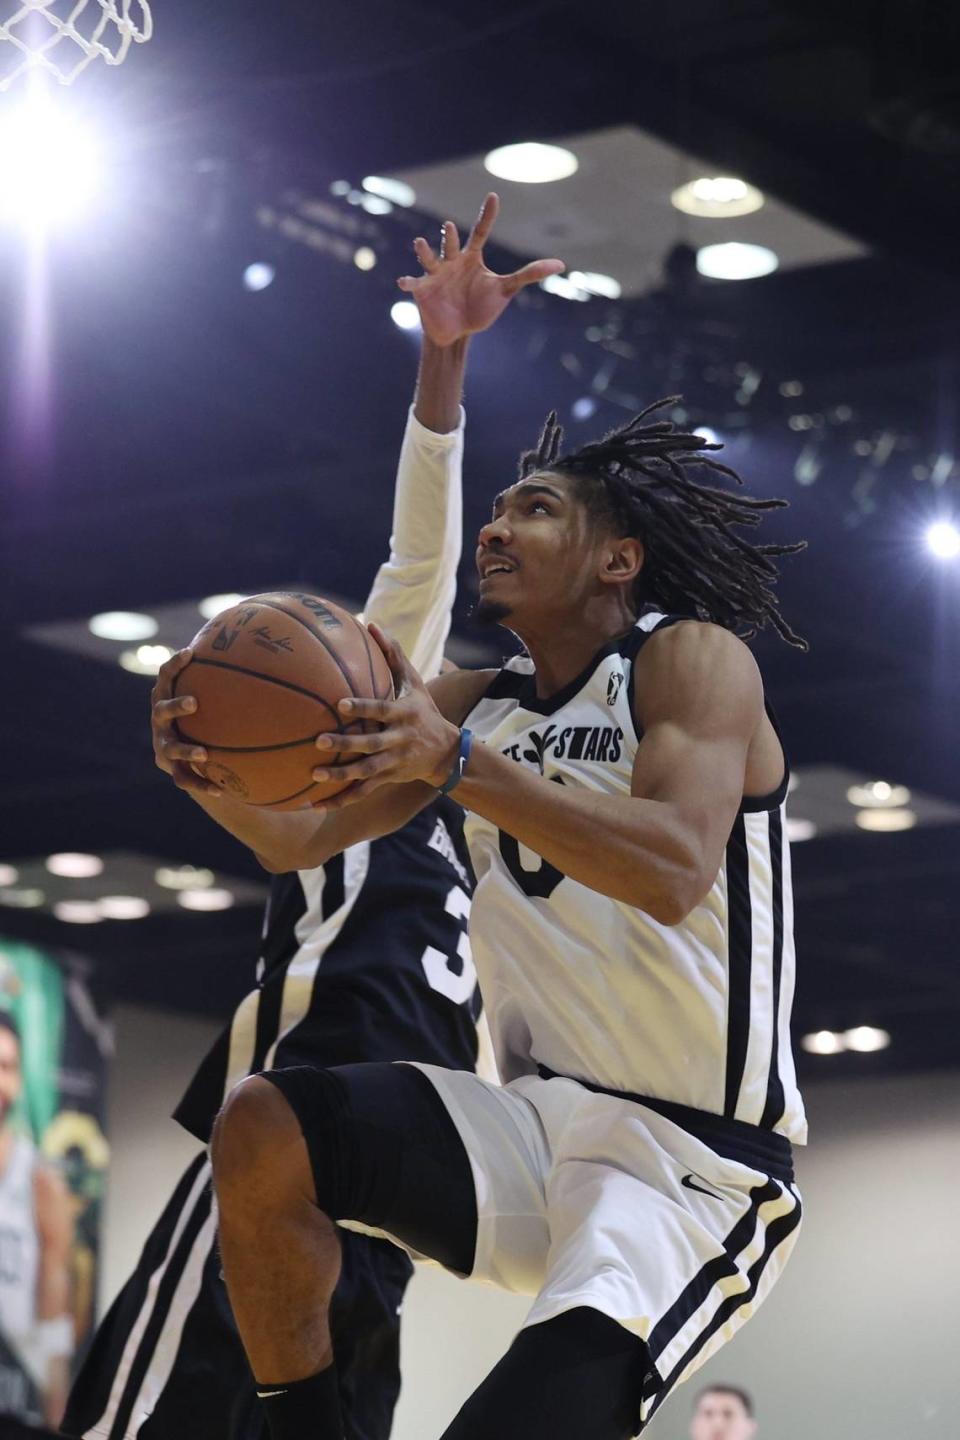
(167, 1362)
(673, 1223)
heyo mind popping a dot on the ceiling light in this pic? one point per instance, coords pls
(205, 899)
(886, 821)
(597, 284)
(583, 408)
(808, 464)
(50, 168)
(531, 164)
(943, 540)
(259, 275)
(365, 258)
(563, 286)
(866, 1038)
(73, 865)
(397, 191)
(78, 912)
(123, 907)
(146, 659)
(824, 1042)
(878, 795)
(214, 604)
(705, 433)
(405, 314)
(735, 261)
(122, 625)
(183, 877)
(799, 829)
(717, 197)
(21, 899)
(376, 205)
(9, 875)
(341, 187)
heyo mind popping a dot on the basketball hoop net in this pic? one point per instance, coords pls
(37, 37)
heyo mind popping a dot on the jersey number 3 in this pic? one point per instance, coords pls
(457, 984)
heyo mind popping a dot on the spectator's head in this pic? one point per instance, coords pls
(9, 1064)
(723, 1412)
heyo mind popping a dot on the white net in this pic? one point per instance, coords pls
(62, 37)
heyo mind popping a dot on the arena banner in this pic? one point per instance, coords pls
(54, 1051)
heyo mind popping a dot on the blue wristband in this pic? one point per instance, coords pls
(460, 764)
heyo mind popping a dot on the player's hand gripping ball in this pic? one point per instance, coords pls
(267, 675)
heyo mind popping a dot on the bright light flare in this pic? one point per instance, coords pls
(206, 900)
(824, 1042)
(717, 197)
(866, 1039)
(405, 315)
(735, 261)
(530, 163)
(74, 865)
(943, 540)
(259, 275)
(50, 163)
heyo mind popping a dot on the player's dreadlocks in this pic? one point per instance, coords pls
(636, 480)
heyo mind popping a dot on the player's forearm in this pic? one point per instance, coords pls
(277, 838)
(630, 849)
(440, 385)
(413, 592)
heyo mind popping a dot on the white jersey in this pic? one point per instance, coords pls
(593, 988)
(19, 1243)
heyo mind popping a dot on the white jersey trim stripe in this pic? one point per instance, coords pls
(315, 935)
(777, 1222)
(134, 1339)
(739, 962)
(752, 1092)
(182, 1302)
(774, 1101)
(302, 971)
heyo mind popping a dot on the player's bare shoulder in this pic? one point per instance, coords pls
(695, 663)
(457, 692)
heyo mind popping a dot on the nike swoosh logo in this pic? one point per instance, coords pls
(691, 1184)
(265, 1394)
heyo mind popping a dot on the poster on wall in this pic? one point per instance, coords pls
(54, 1052)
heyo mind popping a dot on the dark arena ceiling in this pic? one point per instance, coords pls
(196, 437)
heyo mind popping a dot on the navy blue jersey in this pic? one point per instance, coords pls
(365, 958)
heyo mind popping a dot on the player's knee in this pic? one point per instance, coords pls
(257, 1150)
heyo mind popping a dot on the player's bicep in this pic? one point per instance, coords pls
(700, 777)
(699, 700)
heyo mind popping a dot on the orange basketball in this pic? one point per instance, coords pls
(267, 675)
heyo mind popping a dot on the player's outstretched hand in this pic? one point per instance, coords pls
(457, 295)
(170, 752)
(414, 742)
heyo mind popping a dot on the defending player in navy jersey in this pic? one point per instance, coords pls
(624, 784)
(364, 958)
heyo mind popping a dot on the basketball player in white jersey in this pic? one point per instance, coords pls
(363, 959)
(624, 785)
(36, 1233)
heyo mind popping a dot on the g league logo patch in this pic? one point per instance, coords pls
(614, 686)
